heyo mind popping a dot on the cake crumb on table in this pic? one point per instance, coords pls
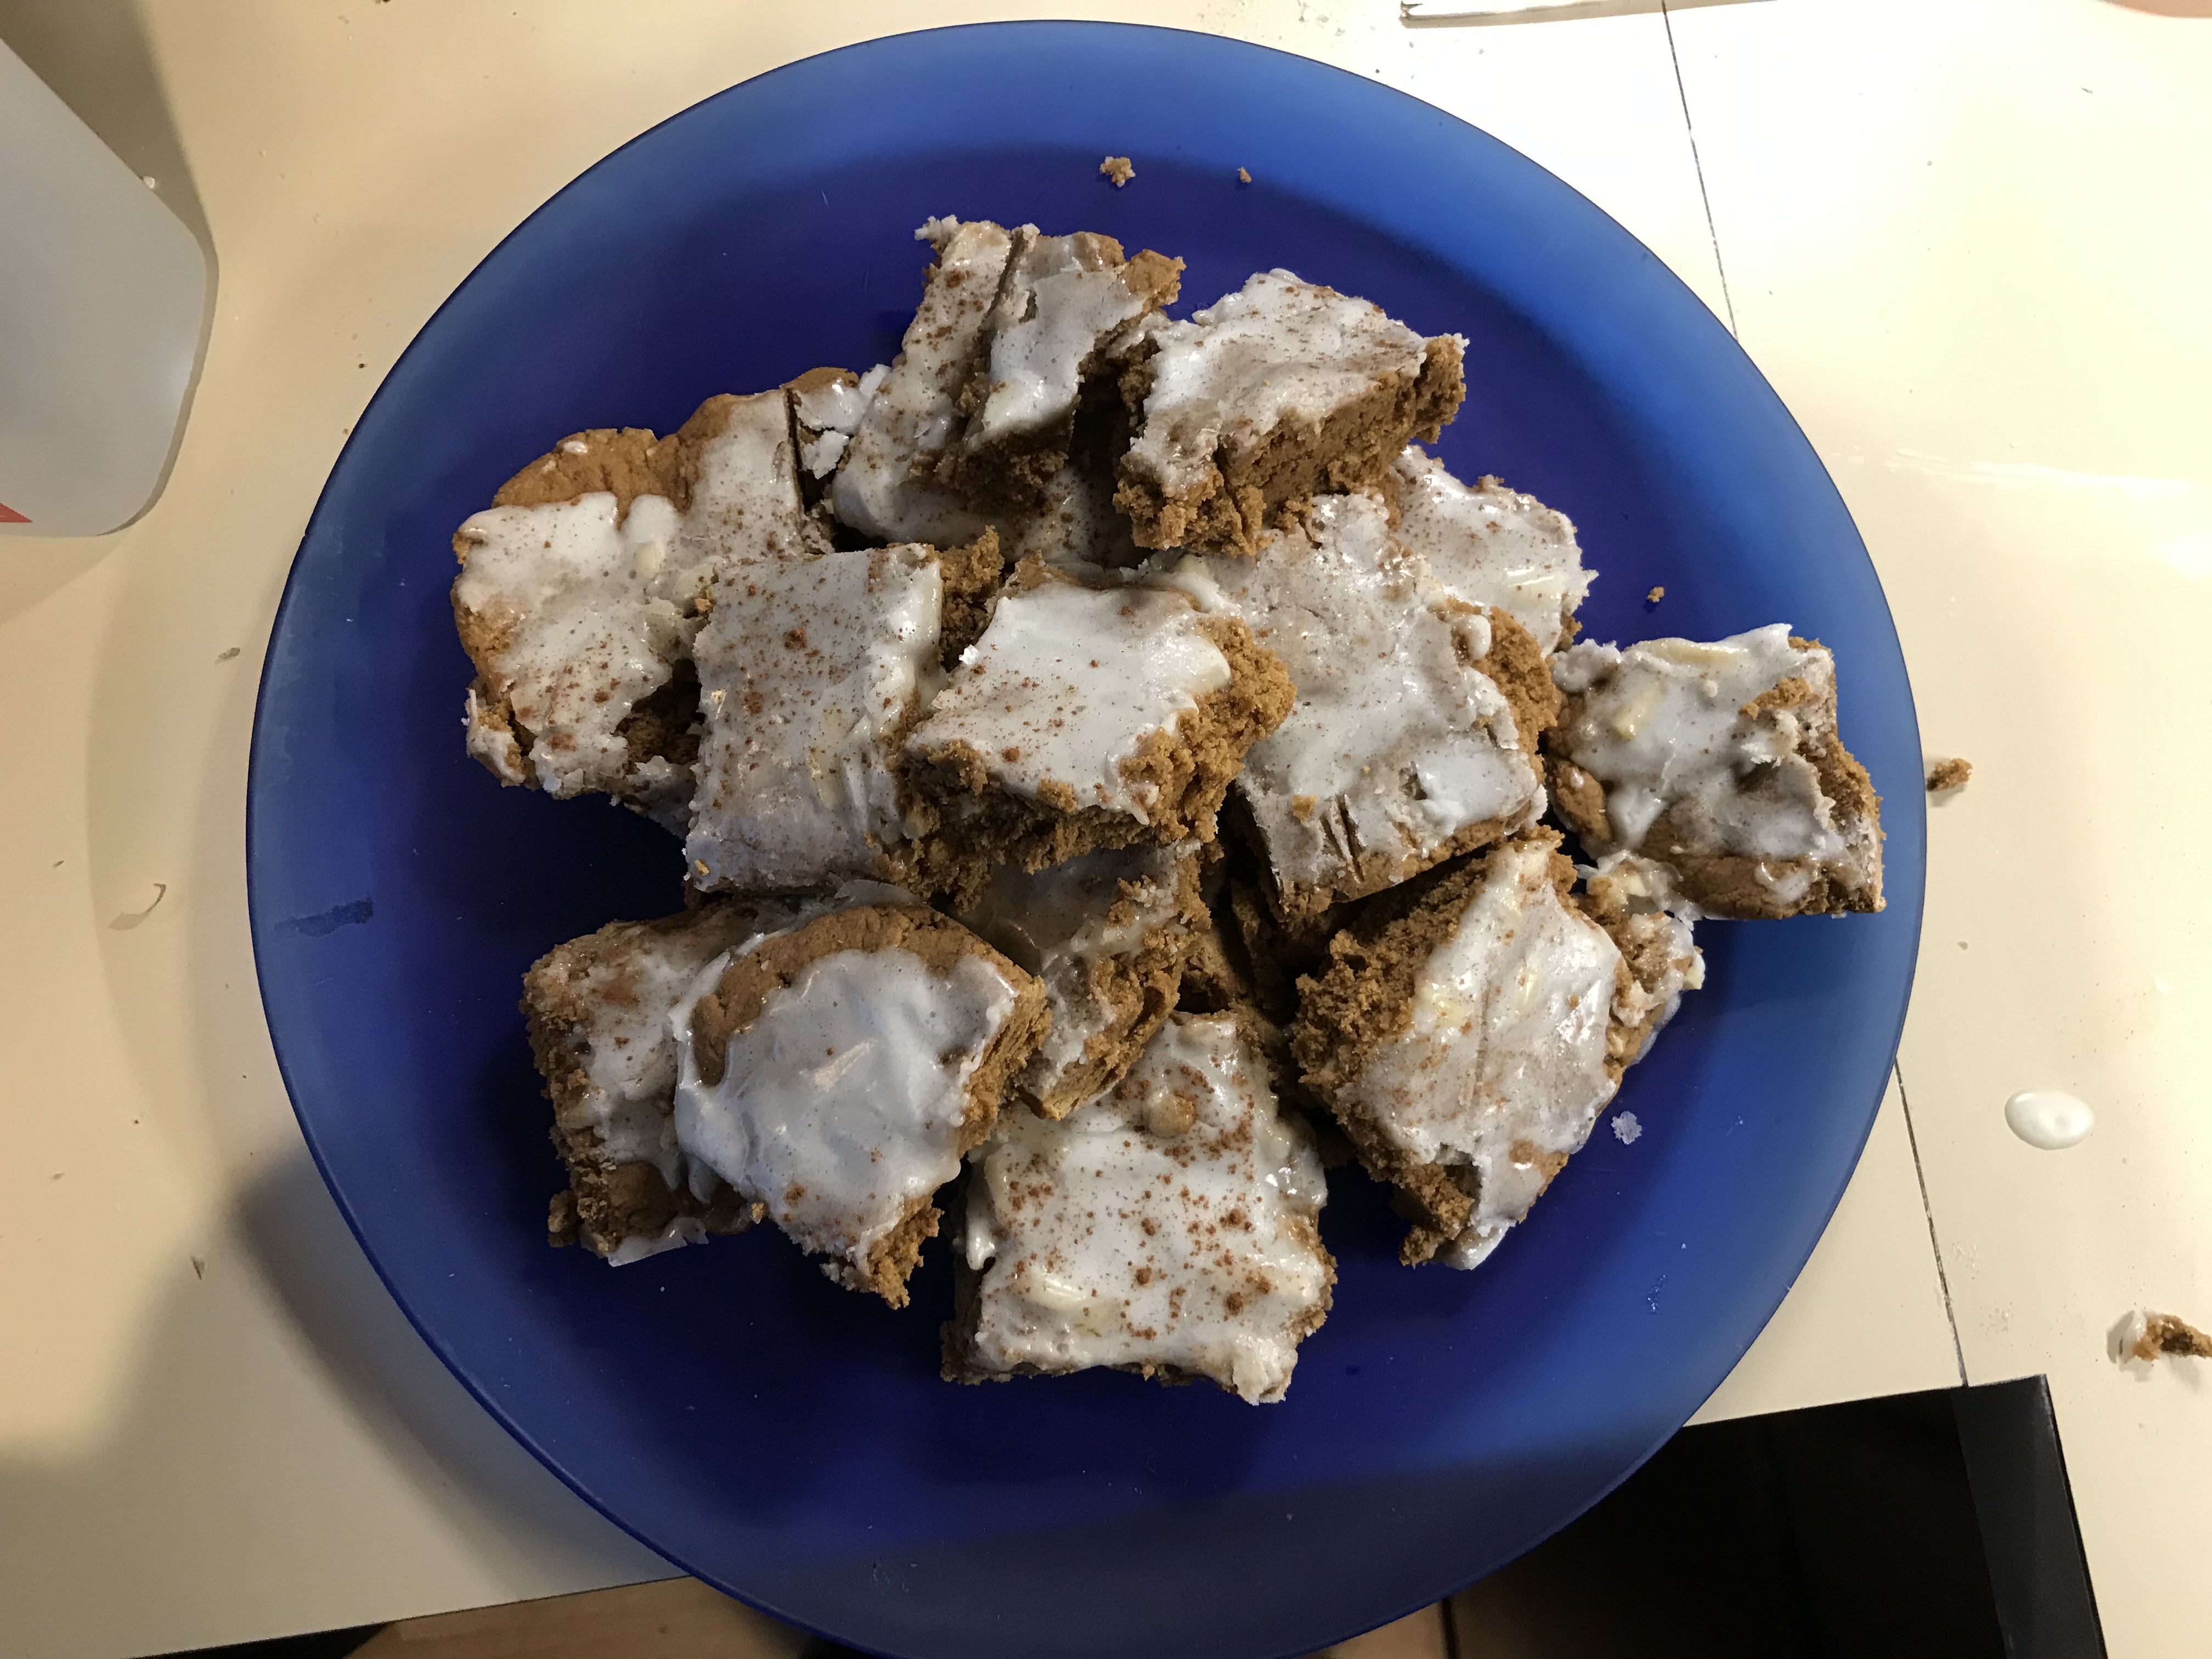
(1119, 169)
(1243, 176)
(1951, 774)
(2165, 1333)
(1654, 596)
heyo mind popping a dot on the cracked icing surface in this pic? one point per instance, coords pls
(1168, 1225)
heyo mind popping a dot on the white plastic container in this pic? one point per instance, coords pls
(103, 295)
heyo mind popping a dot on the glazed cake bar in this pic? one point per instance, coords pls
(1066, 304)
(1087, 718)
(598, 1011)
(1468, 1043)
(1709, 779)
(834, 1074)
(1278, 392)
(810, 672)
(1414, 735)
(1106, 934)
(1491, 546)
(1167, 1227)
(581, 589)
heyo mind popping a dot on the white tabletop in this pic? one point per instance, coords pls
(1970, 245)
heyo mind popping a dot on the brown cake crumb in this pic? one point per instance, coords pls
(1951, 774)
(2166, 1333)
(1243, 177)
(1119, 169)
(1654, 596)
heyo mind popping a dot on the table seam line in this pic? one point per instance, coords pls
(1697, 163)
(1928, 1211)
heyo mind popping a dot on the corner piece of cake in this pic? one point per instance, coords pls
(1414, 735)
(1489, 545)
(809, 671)
(581, 589)
(1276, 394)
(1087, 718)
(598, 1011)
(834, 1074)
(1168, 1227)
(1106, 933)
(1467, 1041)
(1709, 779)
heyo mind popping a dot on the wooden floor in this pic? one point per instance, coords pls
(682, 1618)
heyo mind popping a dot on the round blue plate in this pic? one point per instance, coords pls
(789, 1442)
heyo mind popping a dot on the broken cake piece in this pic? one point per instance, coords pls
(1490, 546)
(1276, 392)
(1468, 1043)
(581, 588)
(810, 672)
(1414, 735)
(1709, 779)
(1064, 305)
(886, 483)
(834, 1074)
(1168, 1227)
(1106, 934)
(598, 1009)
(827, 407)
(1087, 718)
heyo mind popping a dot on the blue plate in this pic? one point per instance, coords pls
(790, 1443)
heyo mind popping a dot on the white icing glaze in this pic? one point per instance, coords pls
(597, 612)
(1489, 545)
(880, 488)
(1168, 1221)
(1068, 682)
(1661, 727)
(828, 413)
(2049, 1120)
(1063, 300)
(842, 1104)
(1506, 1057)
(1397, 743)
(1626, 1129)
(807, 668)
(681, 1231)
(1055, 923)
(1276, 350)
